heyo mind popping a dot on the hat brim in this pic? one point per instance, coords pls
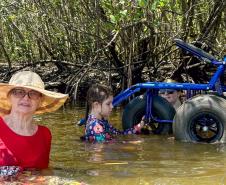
(51, 100)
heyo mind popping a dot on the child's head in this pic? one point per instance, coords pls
(98, 93)
(99, 97)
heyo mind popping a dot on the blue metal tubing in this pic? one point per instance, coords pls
(157, 85)
(217, 74)
(153, 87)
(148, 113)
(206, 57)
(148, 106)
(178, 86)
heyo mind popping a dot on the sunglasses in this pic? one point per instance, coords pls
(20, 93)
(166, 91)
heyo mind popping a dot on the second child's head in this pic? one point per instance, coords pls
(99, 99)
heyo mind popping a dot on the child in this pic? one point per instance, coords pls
(99, 99)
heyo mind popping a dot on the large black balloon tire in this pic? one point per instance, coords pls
(198, 112)
(135, 110)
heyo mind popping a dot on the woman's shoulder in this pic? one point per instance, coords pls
(44, 130)
(2, 122)
(42, 127)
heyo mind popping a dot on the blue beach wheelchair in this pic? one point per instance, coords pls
(201, 118)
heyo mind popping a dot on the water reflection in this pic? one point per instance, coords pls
(130, 160)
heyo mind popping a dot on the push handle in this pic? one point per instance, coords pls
(206, 57)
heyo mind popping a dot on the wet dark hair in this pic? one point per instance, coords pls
(97, 93)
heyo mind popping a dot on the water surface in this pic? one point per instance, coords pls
(132, 160)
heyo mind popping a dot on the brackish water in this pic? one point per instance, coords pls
(129, 160)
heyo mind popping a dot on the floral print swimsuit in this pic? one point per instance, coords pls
(100, 130)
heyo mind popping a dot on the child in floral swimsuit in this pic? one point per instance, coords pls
(99, 99)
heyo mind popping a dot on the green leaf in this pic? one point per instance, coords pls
(113, 19)
(154, 5)
(12, 17)
(122, 2)
(142, 3)
(161, 3)
(123, 12)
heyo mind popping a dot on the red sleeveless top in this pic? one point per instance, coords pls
(24, 151)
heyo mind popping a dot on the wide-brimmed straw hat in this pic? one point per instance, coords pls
(51, 101)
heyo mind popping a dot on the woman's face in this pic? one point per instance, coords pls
(171, 96)
(24, 101)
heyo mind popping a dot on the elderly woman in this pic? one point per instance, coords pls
(23, 143)
(171, 95)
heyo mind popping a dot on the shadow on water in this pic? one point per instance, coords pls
(135, 159)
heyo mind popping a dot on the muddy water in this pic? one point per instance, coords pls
(128, 160)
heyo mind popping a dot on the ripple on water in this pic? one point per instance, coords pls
(130, 160)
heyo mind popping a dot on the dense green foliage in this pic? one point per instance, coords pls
(133, 36)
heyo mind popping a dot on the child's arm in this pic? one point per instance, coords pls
(135, 130)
